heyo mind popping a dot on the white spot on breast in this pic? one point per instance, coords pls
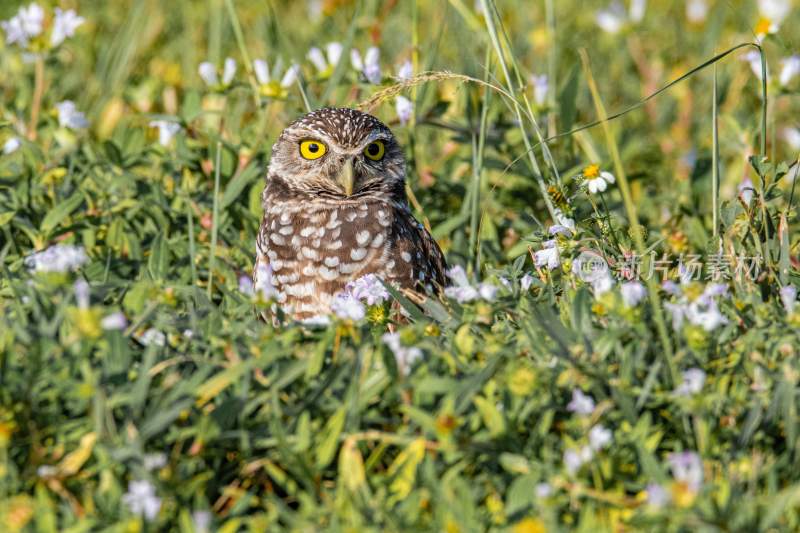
(307, 231)
(335, 245)
(351, 216)
(336, 233)
(363, 207)
(300, 289)
(285, 218)
(390, 264)
(272, 225)
(331, 261)
(309, 270)
(315, 243)
(385, 222)
(288, 278)
(349, 268)
(276, 264)
(406, 257)
(317, 218)
(377, 241)
(277, 239)
(286, 230)
(272, 254)
(310, 253)
(362, 237)
(327, 274)
(295, 241)
(333, 221)
(357, 254)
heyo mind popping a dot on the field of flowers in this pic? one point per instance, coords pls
(618, 346)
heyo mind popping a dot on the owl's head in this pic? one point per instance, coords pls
(338, 152)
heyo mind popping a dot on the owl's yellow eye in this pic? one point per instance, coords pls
(312, 149)
(375, 150)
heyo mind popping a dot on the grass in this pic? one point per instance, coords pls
(561, 402)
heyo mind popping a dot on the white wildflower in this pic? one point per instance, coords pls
(57, 258)
(775, 9)
(526, 282)
(228, 70)
(114, 322)
(746, 190)
(548, 256)
(753, 58)
(692, 382)
(790, 67)
(264, 284)
(261, 70)
(543, 490)
(11, 145)
(563, 224)
(347, 307)
(612, 19)
(575, 459)
(317, 58)
(704, 312)
(599, 182)
(602, 284)
(154, 461)
(153, 337)
(657, 496)
(334, 52)
(696, 11)
(637, 10)
(368, 289)
(24, 26)
(82, 293)
(541, 85)
(632, 292)
(290, 76)
(64, 25)
(201, 520)
(404, 108)
(405, 356)
(369, 66)
(460, 290)
(406, 71)
(208, 73)
(166, 130)
(789, 298)
(687, 467)
(246, 286)
(141, 499)
(487, 291)
(792, 137)
(70, 117)
(600, 437)
(581, 404)
(325, 62)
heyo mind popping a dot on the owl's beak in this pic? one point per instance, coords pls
(346, 177)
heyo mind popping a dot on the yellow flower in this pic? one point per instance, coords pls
(592, 171)
(529, 525)
(522, 381)
(682, 494)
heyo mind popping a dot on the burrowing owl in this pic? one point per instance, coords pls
(335, 209)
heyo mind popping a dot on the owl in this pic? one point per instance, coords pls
(335, 209)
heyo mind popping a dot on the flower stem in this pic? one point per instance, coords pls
(38, 90)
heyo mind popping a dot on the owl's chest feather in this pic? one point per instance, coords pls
(314, 249)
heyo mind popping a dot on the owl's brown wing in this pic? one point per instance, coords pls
(419, 262)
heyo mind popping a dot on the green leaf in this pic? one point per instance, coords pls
(61, 211)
